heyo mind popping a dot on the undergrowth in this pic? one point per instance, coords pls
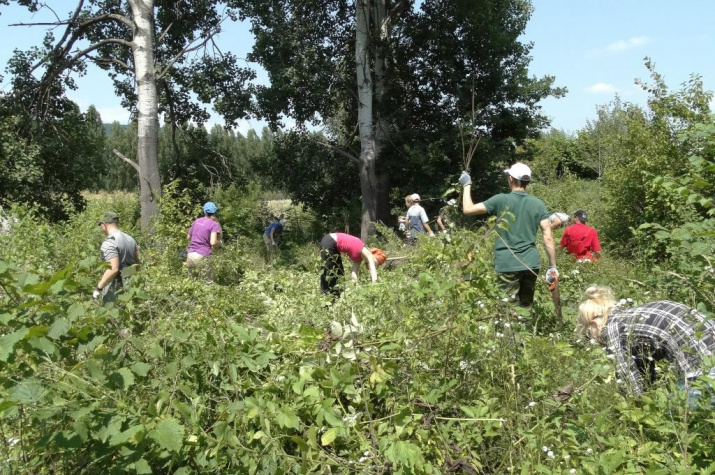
(422, 372)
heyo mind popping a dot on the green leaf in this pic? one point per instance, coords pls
(37, 289)
(28, 391)
(43, 345)
(169, 434)
(141, 369)
(7, 342)
(125, 436)
(332, 419)
(58, 286)
(75, 311)
(142, 467)
(329, 436)
(122, 378)
(286, 418)
(404, 453)
(59, 328)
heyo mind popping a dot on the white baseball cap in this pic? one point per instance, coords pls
(416, 197)
(519, 171)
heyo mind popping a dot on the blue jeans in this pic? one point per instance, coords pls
(694, 394)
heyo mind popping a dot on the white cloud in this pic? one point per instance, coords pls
(631, 42)
(621, 45)
(602, 88)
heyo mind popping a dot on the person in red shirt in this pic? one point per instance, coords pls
(580, 239)
(332, 245)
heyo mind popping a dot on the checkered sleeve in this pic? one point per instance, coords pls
(619, 350)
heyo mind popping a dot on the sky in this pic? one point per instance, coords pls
(594, 48)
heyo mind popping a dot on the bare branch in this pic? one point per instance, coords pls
(100, 61)
(128, 160)
(52, 23)
(95, 46)
(189, 48)
(44, 5)
(108, 16)
(163, 33)
(339, 151)
(181, 53)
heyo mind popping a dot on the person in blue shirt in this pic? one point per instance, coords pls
(273, 233)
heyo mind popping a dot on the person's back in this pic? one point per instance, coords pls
(515, 249)
(200, 235)
(582, 241)
(125, 247)
(416, 218)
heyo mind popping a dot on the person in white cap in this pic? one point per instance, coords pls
(445, 215)
(417, 221)
(516, 257)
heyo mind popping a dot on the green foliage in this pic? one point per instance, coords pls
(49, 170)
(421, 372)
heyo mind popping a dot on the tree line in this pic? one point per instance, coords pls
(394, 86)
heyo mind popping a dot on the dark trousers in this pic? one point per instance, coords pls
(332, 266)
(520, 284)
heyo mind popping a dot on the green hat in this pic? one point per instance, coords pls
(109, 217)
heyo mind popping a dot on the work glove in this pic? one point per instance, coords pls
(402, 226)
(551, 274)
(97, 294)
(431, 234)
(465, 179)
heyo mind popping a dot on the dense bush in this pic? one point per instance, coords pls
(422, 372)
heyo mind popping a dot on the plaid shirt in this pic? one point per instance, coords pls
(637, 336)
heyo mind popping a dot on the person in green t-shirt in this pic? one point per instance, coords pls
(516, 258)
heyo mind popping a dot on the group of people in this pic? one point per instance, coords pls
(635, 337)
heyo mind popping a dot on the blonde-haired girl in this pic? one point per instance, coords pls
(637, 337)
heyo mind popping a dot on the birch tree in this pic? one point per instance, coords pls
(159, 53)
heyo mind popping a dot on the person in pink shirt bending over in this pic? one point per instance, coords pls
(204, 235)
(332, 245)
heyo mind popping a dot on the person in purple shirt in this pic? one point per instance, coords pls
(204, 235)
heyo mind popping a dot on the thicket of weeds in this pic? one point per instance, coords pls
(422, 372)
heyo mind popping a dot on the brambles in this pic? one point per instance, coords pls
(422, 372)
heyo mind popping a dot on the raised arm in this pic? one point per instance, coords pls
(468, 206)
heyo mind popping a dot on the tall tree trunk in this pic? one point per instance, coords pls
(365, 119)
(382, 126)
(147, 109)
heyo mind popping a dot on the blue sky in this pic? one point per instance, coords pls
(594, 48)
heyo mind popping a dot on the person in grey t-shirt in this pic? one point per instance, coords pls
(120, 250)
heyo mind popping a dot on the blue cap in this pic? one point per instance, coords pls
(210, 208)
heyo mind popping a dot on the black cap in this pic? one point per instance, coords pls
(581, 215)
(109, 217)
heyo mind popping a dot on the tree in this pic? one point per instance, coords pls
(48, 165)
(148, 43)
(411, 76)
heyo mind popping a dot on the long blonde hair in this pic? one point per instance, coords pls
(595, 309)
